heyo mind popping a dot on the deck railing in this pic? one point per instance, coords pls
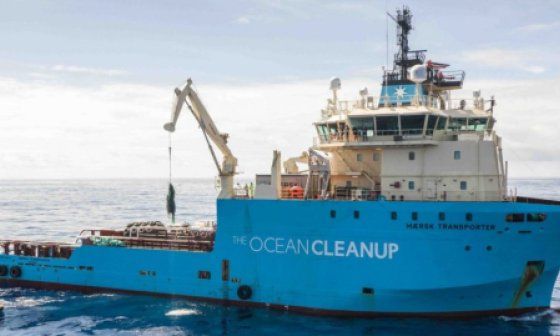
(345, 107)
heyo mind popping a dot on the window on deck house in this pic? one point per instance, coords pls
(362, 128)
(432, 119)
(323, 132)
(387, 125)
(441, 123)
(412, 124)
(457, 124)
(477, 124)
(332, 131)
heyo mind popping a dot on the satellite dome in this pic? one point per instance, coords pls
(418, 73)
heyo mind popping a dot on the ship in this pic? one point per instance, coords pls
(400, 207)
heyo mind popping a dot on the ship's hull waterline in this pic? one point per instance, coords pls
(336, 258)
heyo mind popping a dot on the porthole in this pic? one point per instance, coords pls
(536, 217)
(515, 217)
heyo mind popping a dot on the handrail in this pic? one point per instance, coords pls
(344, 109)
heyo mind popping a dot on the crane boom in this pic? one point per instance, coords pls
(229, 163)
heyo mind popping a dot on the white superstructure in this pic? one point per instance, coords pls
(428, 150)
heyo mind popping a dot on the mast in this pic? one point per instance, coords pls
(404, 58)
(404, 26)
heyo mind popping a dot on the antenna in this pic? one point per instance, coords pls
(387, 35)
(335, 86)
(404, 26)
(363, 94)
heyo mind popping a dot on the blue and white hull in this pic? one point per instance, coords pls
(338, 257)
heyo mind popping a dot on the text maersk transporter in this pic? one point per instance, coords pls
(400, 207)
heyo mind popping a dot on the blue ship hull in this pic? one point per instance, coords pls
(337, 257)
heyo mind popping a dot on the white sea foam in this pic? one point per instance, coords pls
(154, 331)
(182, 312)
(67, 326)
(529, 317)
(30, 301)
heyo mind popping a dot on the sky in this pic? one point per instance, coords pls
(85, 86)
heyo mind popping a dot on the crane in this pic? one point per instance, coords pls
(227, 169)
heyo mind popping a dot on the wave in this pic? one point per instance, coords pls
(182, 312)
(531, 317)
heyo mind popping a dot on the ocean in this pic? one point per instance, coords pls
(56, 210)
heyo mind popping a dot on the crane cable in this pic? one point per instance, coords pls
(170, 204)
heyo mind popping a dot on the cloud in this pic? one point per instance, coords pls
(269, 11)
(504, 58)
(539, 27)
(243, 20)
(51, 130)
(526, 112)
(86, 71)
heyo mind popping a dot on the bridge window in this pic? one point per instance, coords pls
(362, 128)
(536, 217)
(376, 156)
(468, 217)
(323, 132)
(441, 216)
(515, 217)
(411, 156)
(332, 131)
(333, 213)
(431, 124)
(441, 123)
(456, 124)
(359, 157)
(477, 124)
(415, 216)
(457, 155)
(412, 124)
(387, 125)
(463, 185)
(393, 215)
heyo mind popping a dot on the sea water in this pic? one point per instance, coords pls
(58, 210)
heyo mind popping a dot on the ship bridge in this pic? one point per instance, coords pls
(412, 142)
(426, 121)
(430, 149)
